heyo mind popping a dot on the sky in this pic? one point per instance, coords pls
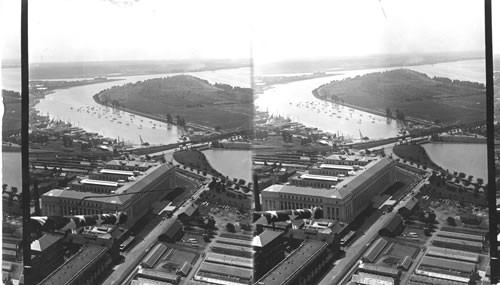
(95, 30)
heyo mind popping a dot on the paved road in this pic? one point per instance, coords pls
(142, 247)
(358, 248)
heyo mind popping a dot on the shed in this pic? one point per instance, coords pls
(393, 227)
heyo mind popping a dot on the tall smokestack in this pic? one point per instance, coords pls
(256, 193)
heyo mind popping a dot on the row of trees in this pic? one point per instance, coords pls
(397, 114)
(180, 121)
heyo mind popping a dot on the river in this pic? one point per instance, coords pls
(232, 163)
(295, 100)
(469, 158)
(77, 106)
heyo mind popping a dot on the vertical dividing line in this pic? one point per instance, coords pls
(490, 116)
(25, 142)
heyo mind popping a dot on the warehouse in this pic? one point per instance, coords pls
(427, 280)
(393, 227)
(458, 244)
(235, 250)
(452, 254)
(441, 263)
(461, 236)
(223, 274)
(229, 260)
(372, 279)
(374, 251)
(380, 270)
(154, 255)
(405, 264)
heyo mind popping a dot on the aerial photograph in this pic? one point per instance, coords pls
(249, 142)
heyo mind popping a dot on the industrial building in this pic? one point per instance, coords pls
(452, 254)
(269, 250)
(85, 267)
(375, 249)
(342, 198)
(372, 279)
(229, 262)
(90, 195)
(457, 244)
(302, 266)
(393, 227)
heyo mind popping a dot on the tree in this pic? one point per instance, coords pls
(451, 221)
(388, 112)
(230, 228)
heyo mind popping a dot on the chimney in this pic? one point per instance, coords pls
(256, 193)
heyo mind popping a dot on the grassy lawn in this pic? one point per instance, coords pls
(414, 153)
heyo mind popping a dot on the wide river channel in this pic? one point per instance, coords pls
(293, 100)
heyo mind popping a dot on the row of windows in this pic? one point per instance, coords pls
(95, 188)
(300, 198)
(315, 184)
(295, 205)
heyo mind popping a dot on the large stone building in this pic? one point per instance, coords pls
(343, 197)
(125, 179)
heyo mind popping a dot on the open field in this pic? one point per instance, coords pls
(195, 159)
(413, 94)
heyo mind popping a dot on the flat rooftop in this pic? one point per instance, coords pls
(336, 166)
(213, 257)
(308, 176)
(136, 186)
(348, 157)
(74, 266)
(291, 264)
(117, 172)
(226, 270)
(341, 190)
(99, 182)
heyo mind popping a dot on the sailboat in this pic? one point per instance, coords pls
(362, 137)
(143, 142)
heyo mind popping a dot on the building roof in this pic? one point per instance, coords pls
(375, 249)
(99, 182)
(46, 241)
(230, 246)
(442, 263)
(372, 279)
(378, 269)
(74, 266)
(154, 255)
(319, 177)
(461, 236)
(173, 229)
(227, 270)
(406, 263)
(265, 238)
(458, 242)
(157, 275)
(336, 166)
(238, 242)
(341, 190)
(347, 157)
(393, 224)
(244, 262)
(452, 254)
(292, 264)
(141, 183)
(422, 279)
(189, 211)
(117, 172)
(410, 203)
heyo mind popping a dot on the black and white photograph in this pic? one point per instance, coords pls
(237, 142)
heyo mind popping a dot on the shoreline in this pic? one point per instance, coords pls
(316, 91)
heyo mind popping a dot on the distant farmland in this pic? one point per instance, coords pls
(414, 94)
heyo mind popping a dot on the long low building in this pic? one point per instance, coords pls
(372, 279)
(224, 275)
(302, 266)
(441, 263)
(427, 280)
(457, 244)
(342, 199)
(375, 249)
(461, 236)
(452, 254)
(224, 259)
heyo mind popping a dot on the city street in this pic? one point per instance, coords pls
(357, 249)
(142, 247)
